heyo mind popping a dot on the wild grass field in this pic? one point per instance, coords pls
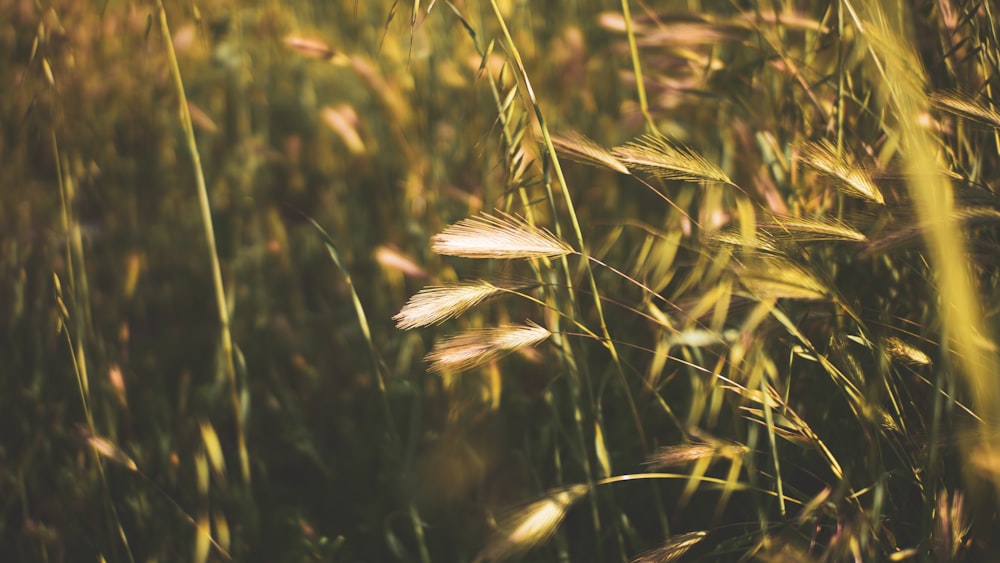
(604, 280)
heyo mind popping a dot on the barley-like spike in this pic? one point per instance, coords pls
(106, 448)
(532, 525)
(473, 348)
(966, 107)
(903, 352)
(582, 149)
(852, 180)
(673, 549)
(498, 236)
(673, 456)
(662, 158)
(437, 303)
(780, 278)
(802, 229)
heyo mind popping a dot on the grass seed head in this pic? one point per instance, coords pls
(851, 179)
(498, 236)
(682, 454)
(582, 149)
(970, 109)
(673, 549)
(532, 525)
(660, 157)
(780, 278)
(473, 348)
(437, 303)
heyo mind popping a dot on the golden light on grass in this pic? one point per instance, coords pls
(498, 236)
(851, 179)
(660, 157)
(435, 304)
(532, 525)
(477, 347)
(934, 195)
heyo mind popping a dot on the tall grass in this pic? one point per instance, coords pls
(478, 281)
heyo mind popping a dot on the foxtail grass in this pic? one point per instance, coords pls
(664, 159)
(435, 304)
(474, 348)
(501, 236)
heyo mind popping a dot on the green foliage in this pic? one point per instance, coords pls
(713, 280)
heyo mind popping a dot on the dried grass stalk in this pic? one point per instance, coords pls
(532, 525)
(673, 549)
(658, 156)
(582, 149)
(498, 236)
(853, 180)
(473, 348)
(435, 304)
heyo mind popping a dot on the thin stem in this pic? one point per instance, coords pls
(206, 220)
(633, 50)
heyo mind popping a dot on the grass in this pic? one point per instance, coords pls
(479, 281)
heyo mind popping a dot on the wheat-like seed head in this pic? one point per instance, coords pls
(852, 180)
(803, 229)
(582, 149)
(474, 348)
(966, 107)
(779, 278)
(681, 454)
(109, 450)
(673, 456)
(673, 549)
(531, 525)
(903, 352)
(662, 158)
(498, 236)
(437, 303)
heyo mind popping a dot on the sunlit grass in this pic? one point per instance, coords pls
(458, 281)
